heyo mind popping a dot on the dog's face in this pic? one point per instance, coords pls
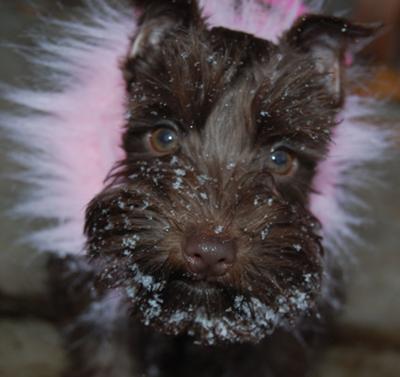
(205, 224)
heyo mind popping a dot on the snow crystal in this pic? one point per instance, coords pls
(146, 281)
(264, 233)
(130, 242)
(109, 226)
(180, 172)
(131, 292)
(203, 195)
(231, 165)
(297, 247)
(300, 300)
(177, 184)
(308, 278)
(211, 60)
(178, 316)
(218, 229)
(203, 178)
(153, 309)
(127, 253)
(222, 330)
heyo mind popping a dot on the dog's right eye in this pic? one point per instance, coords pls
(282, 162)
(163, 141)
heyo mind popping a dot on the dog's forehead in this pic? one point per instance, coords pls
(199, 62)
(230, 82)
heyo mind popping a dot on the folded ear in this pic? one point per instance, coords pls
(160, 18)
(327, 40)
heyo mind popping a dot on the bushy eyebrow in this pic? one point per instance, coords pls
(290, 100)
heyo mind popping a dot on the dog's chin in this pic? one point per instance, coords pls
(211, 313)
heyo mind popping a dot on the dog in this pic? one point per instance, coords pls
(205, 224)
(204, 256)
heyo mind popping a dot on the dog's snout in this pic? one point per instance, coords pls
(209, 255)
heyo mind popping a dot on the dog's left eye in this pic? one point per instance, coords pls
(163, 141)
(282, 162)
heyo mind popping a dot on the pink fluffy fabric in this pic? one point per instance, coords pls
(266, 18)
(75, 139)
(72, 147)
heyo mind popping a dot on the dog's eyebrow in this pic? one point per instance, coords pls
(297, 130)
(292, 103)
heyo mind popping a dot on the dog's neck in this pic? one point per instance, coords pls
(282, 354)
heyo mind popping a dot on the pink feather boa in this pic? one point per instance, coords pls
(74, 141)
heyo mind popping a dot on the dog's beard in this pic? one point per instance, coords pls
(134, 238)
(214, 313)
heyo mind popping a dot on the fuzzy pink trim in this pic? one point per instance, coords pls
(266, 19)
(73, 146)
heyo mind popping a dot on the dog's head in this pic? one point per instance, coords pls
(205, 223)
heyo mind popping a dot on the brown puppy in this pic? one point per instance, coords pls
(204, 225)
(203, 256)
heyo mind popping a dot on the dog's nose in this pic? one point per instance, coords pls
(209, 255)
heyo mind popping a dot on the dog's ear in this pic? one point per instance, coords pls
(160, 18)
(327, 40)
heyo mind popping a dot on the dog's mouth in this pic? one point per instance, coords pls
(198, 286)
(211, 312)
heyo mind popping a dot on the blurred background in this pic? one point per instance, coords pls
(367, 341)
